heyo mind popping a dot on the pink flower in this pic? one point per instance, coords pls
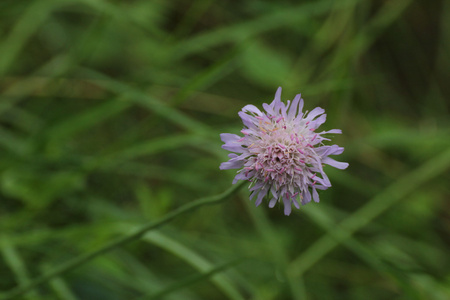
(281, 153)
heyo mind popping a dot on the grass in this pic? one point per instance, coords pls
(110, 115)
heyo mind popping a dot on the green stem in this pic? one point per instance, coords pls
(82, 259)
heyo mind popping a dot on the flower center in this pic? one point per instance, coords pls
(280, 163)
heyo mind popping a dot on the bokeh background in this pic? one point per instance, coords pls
(110, 115)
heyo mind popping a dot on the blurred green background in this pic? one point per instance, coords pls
(110, 115)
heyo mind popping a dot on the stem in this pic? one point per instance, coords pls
(84, 258)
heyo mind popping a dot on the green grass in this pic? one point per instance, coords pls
(110, 115)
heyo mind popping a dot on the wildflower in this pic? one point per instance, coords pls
(281, 153)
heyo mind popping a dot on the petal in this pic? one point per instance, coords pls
(257, 186)
(336, 131)
(323, 150)
(335, 163)
(293, 109)
(242, 176)
(300, 107)
(272, 202)
(287, 206)
(320, 187)
(278, 95)
(336, 150)
(320, 180)
(284, 108)
(247, 120)
(319, 121)
(229, 137)
(260, 197)
(325, 180)
(329, 150)
(242, 157)
(306, 197)
(269, 108)
(274, 105)
(231, 142)
(277, 104)
(296, 203)
(314, 113)
(253, 109)
(300, 111)
(274, 192)
(234, 148)
(231, 165)
(315, 195)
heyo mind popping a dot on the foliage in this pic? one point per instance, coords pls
(110, 114)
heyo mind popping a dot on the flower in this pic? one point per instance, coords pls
(281, 154)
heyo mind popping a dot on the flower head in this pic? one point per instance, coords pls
(281, 153)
